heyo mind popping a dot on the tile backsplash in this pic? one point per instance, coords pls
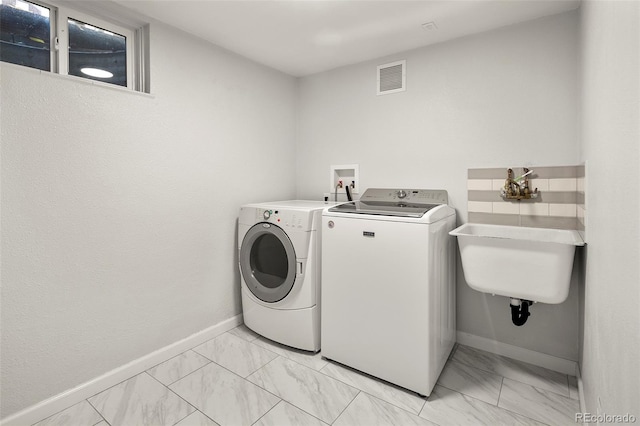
(560, 204)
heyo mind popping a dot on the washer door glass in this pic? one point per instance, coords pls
(268, 262)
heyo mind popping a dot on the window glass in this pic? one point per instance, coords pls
(25, 32)
(97, 54)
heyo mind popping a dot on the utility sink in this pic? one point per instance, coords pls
(518, 262)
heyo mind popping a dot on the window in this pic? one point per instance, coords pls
(66, 41)
(25, 34)
(97, 53)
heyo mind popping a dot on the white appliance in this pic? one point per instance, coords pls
(388, 285)
(279, 259)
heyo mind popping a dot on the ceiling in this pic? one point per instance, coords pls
(302, 37)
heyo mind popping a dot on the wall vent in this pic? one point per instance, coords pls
(391, 78)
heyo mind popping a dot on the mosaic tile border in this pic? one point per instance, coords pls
(560, 205)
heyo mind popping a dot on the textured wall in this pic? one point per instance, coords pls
(119, 209)
(503, 97)
(610, 35)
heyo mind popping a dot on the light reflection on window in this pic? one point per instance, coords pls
(94, 48)
(25, 33)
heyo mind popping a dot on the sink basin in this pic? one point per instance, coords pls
(519, 262)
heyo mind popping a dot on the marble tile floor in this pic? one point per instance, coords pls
(240, 378)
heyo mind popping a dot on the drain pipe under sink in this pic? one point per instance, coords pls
(520, 311)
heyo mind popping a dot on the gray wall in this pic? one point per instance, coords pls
(503, 98)
(610, 40)
(119, 209)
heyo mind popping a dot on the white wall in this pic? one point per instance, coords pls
(119, 209)
(610, 39)
(497, 99)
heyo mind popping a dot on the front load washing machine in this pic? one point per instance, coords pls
(279, 258)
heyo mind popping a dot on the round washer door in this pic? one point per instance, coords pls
(268, 262)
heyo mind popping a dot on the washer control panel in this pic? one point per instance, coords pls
(418, 196)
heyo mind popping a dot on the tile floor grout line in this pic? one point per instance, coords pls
(456, 345)
(169, 359)
(391, 403)
(277, 356)
(293, 405)
(345, 408)
(542, 393)
(250, 341)
(198, 411)
(291, 402)
(250, 382)
(284, 347)
(186, 375)
(235, 374)
(197, 353)
(230, 371)
(425, 402)
(262, 366)
(268, 411)
(287, 357)
(180, 396)
(73, 405)
(186, 415)
(526, 417)
(383, 382)
(58, 412)
(268, 349)
(465, 396)
(113, 386)
(194, 349)
(121, 382)
(505, 359)
(511, 378)
(99, 413)
(539, 388)
(176, 394)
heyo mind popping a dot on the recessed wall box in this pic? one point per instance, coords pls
(348, 174)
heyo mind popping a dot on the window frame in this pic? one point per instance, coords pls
(62, 45)
(136, 43)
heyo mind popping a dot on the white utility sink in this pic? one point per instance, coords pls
(519, 262)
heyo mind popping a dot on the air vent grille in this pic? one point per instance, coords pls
(391, 78)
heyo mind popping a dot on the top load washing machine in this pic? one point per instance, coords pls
(388, 285)
(279, 259)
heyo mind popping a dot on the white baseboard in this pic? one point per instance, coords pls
(583, 404)
(73, 396)
(540, 359)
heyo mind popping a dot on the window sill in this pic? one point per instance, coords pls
(79, 80)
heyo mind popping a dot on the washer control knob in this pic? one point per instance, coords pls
(266, 214)
(402, 193)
